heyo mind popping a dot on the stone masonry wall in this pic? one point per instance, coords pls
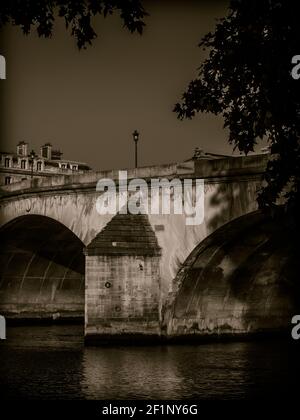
(122, 296)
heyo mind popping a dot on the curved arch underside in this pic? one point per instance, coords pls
(241, 279)
(41, 269)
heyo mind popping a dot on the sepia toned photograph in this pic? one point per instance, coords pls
(149, 202)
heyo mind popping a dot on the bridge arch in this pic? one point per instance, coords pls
(240, 279)
(42, 269)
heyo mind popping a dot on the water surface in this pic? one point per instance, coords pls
(51, 362)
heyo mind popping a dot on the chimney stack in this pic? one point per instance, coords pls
(22, 148)
(46, 151)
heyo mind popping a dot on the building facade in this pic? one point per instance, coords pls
(22, 164)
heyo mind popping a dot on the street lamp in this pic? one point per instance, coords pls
(135, 136)
(31, 160)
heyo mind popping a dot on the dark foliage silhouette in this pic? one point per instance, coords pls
(78, 14)
(247, 79)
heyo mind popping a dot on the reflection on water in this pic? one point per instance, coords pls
(51, 362)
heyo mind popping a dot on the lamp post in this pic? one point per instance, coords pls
(135, 136)
(32, 156)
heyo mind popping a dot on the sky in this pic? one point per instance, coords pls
(87, 103)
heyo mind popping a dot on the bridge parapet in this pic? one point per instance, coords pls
(205, 169)
(91, 178)
(231, 167)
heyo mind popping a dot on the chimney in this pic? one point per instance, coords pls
(22, 148)
(46, 151)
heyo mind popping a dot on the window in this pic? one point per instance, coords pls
(7, 180)
(39, 166)
(23, 164)
(74, 168)
(7, 162)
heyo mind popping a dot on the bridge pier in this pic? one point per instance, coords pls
(122, 296)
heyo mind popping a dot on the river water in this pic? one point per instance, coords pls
(51, 362)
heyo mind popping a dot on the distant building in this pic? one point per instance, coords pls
(200, 154)
(15, 167)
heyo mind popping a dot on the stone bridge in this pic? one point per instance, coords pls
(137, 276)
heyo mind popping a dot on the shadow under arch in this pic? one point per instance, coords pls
(42, 270)
(240, 279)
